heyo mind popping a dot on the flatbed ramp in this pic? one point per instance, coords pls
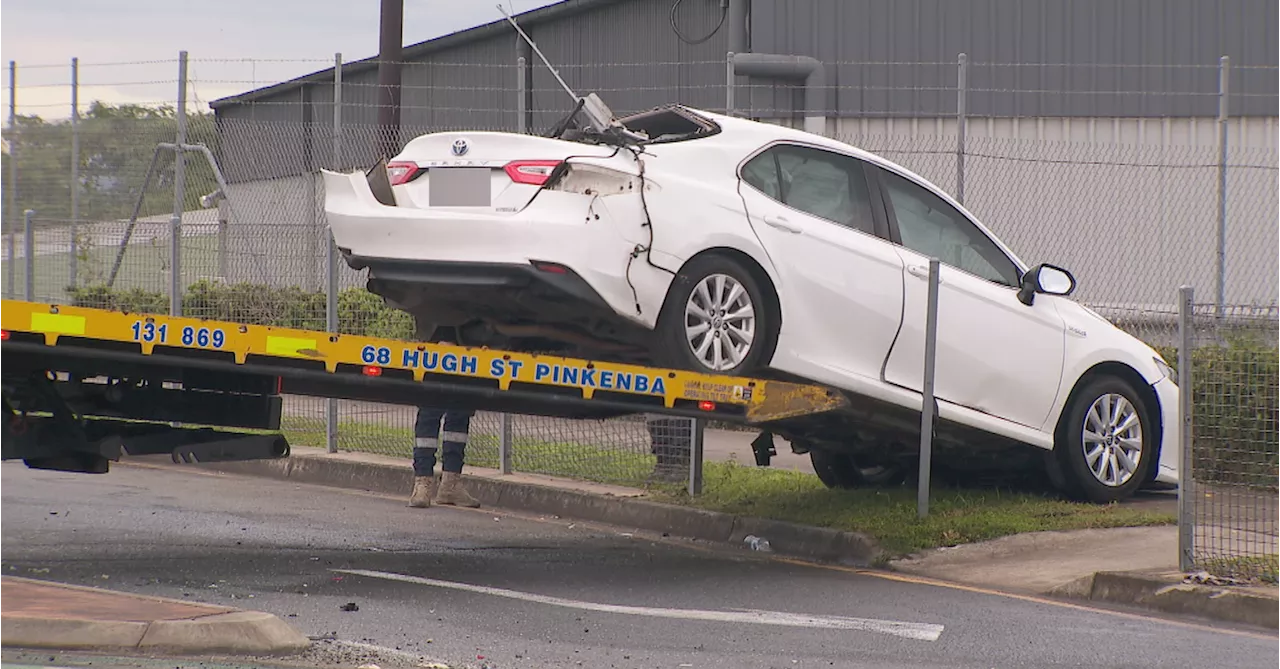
(82, 384)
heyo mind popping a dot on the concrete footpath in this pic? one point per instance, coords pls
(1126, 566)
(41, 614)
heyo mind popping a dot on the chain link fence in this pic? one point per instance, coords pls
(1229, 512)
(1134, 206)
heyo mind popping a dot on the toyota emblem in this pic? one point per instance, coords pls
(460, 147)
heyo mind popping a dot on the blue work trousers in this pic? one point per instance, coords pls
(428, 436)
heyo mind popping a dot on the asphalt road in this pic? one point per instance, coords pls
(552, 593)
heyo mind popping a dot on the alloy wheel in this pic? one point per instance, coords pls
(1112, 437)
(720, 322)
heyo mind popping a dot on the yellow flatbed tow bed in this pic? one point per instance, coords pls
(82, 384)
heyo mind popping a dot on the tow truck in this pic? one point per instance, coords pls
(82, 386)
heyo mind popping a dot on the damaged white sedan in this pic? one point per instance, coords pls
(687, 239)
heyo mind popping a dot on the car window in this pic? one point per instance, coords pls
(762, 173)
(824, 184)
(930, 226)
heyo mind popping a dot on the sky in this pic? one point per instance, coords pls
(128, 49)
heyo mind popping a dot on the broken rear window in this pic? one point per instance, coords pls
(669, 124)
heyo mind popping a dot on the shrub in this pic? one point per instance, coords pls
(359, 311)
(1235, 398)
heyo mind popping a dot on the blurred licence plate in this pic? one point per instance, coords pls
(460, 186)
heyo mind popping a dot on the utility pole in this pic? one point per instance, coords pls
(390, 41)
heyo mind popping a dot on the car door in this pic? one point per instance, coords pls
(840, 285)
(994, 354)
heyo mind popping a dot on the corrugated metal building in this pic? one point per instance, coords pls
(1131, 85)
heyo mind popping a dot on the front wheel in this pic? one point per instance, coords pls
(716, 319)
(1106, 447)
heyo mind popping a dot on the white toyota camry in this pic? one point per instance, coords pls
(700, 241)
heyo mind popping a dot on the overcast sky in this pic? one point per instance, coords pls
(232, 45)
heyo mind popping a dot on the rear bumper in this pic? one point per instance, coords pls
(446, 275)
(493, 249)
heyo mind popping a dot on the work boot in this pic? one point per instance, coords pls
(424, 488)
(452, 493)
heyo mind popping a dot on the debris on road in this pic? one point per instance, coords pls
(1205, 578)
(349, 606)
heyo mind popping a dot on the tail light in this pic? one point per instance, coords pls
(549, 267)
(401, 172)
(532, 172)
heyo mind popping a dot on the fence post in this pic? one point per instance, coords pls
(1186, 486)
(1224, 70)
(179, 194)
(331, 287)
(697, 432)
(29, 254)
(522, 86)
(929, 406)
(728, 84)
(12, 209)
(962, 121)
(75, 167)
(504, 444)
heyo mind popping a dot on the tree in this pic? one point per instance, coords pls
(116, 146)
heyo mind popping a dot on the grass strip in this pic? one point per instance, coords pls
(957, 516)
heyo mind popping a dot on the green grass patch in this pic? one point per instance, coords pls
(889, 515)
(1264, 568)
(533, 456)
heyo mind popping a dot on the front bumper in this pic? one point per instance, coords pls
(1168, 394)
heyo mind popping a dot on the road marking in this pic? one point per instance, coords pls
(924, 580)
(918, 631)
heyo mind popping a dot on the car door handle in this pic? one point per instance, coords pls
(781, 223)
(921, 272)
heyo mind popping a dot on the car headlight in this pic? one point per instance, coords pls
(1168, 371)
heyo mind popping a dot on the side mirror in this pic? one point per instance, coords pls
(1047, 279)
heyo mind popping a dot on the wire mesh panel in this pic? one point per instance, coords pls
(1133, 206)
(1234, 467)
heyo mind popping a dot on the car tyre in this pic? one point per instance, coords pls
(841, 470)
(1095, 453)
(716, 304)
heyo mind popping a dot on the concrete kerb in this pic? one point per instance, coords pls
(609, 505)
(1167, 594)
(220, 630)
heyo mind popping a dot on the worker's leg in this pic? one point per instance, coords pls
(453, 451)
(426, 440)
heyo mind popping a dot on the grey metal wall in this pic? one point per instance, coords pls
(1029, 58)
(1145, 58)
(628, 54)
(624, 50)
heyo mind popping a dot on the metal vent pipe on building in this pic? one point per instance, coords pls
(805, 69)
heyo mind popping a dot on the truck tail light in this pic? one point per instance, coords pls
(531, 172)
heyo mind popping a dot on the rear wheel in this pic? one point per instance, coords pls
(842, 470)
(716, 319)
(1106, 447)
